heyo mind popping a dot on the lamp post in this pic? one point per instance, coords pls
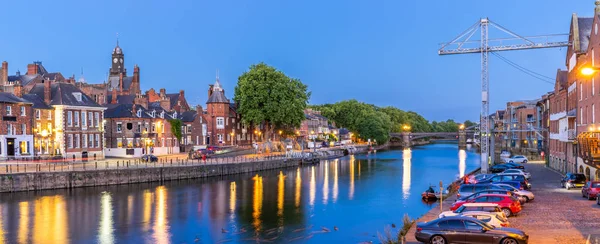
(232, 137)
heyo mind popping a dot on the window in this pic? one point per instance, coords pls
(24, 146)
(91, 143)
(8, 110)
(470, 225)
(593, 114)
(97, 140)
(97, 115)
(581, 115)
(10, 129)
(84, 141)
(481, 199)
(220, 137)
(69, 118)
(153, 128)
(70, 141)
(49, 114)
(189, 128)
(77, 141)
(119, 142)
(23, 129)
(593, 87)
(139, 113)
(580, 91)
(220, 123)
(23, 111)
(119, 127)
(84, 119)
(77, 96)
(76, 118)
(153, 113)
(49, 127)
(139, 128)
(38, 127)
(226, 122)
(91, 119)
(38, 114)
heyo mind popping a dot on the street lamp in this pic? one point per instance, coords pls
(232, 137)
(587, 71)
(406, 128)
(461, 126)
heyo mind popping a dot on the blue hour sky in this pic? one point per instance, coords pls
(381, 52)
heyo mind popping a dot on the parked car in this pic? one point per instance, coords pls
(590, 189)
(499, 168)
(514, 165)
(491, 191)
(473, 179)
(458, 229)
(488, 218)
(470, 207)
(149, 158)
(510, 205)
(509, 177)
(572, 180)
(466, 190)
(526, 195)
(518, 171)
(504, 154)
(516, 159)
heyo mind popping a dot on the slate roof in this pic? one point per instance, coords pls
(24, 79)
(51, 76)
(113, 82)
(37, 101)
(173, 98)
(126, 111)
(62, 94)
(6, 97)
(122, 99)
(585, 30)
(217, 97)
(188, 116)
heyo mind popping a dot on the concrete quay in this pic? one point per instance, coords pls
(555, 216)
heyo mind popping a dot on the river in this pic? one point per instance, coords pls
(359, 195)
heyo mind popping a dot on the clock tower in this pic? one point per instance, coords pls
(118, 62)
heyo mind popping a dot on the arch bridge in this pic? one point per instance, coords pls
(408, 137)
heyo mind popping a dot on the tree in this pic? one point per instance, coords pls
(374, 125)
(176, 128)
(266, 95)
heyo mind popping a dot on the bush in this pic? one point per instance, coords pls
(400, 237)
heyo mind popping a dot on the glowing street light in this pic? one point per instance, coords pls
(406, 127)
(461, 126)
(587, 71)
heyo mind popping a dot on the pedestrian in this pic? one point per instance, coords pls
(204, 158)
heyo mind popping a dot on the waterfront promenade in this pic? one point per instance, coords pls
(555, 216)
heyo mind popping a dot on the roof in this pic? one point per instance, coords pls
(6, 97)
(24, 79)
(188, 116)
(37, 101)
(585, 30)
(63, 94)
(122, 99)
(173, 98)
(217, 97)
(113, 81)
(126, 111)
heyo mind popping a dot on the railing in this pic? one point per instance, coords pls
(571, 134)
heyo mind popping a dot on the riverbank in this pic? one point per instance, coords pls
(77, 175)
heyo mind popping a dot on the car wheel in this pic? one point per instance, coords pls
(509, 241)
(589, 197)
(526, 198)
(437, 240)
(524, 161)
(568, 188)
(598, 200)
(510, 161)
(507, 212)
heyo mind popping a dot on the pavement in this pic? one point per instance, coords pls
(556, 215)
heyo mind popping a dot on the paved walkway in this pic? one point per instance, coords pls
(555, 216)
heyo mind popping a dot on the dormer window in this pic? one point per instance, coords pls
(162, 114)
(175, 115)
(139, 113)
(77, 96)
(153, 113)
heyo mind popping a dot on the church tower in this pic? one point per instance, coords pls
(118, 62)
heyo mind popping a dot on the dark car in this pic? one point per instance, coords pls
(509, 177)
(514, 165)
(466, 190)
(458, 229)
(499, 168)
(149, 158)
(515, 184)
(490, 191)
(572, 180)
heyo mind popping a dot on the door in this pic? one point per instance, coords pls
(475, 233)
(454, 231)
(10, 147)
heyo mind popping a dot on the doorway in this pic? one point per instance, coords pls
(10, 147)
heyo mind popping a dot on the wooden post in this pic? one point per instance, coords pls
(441, 196)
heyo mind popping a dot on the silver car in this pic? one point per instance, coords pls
(527, 195)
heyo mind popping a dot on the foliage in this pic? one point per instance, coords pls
(374, 125)
(387, 238)
(469, 123)
(267, 96)
(176, 128)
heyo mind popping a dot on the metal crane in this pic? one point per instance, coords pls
(463, 44)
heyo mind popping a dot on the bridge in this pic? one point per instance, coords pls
(408, 137)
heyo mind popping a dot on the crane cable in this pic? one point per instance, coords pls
(529, 72)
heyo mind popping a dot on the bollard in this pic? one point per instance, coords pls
(96, 165)
(17, 168)
(106, 164)
(117, 164)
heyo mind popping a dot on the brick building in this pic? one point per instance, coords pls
(16, 139)
(561, 127)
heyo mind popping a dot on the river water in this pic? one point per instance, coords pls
(359, 195)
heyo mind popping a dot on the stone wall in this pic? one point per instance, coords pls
(60, 180)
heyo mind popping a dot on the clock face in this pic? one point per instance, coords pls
(121, 60)
(115, 60)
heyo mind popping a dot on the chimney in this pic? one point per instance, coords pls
(136, 69)
(47, 91)
(199, 109)
(121, 82)
(32, 69)
(181, 93)
(597, 10)
(210, 90)
(18, 89)
(4, 72)
(114, 96)
(163, 92)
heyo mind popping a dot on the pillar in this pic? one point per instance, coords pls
(462, 139)
(406, 139)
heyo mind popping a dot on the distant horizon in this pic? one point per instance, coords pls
(382, 53)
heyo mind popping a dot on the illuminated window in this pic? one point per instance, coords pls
(24, 146)
(220, 123)
(119, 142)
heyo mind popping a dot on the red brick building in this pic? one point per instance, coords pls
(16, 138)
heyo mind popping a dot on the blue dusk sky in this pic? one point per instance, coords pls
(380, 52)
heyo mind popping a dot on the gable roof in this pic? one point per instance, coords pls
(585, 31)
(6, 97)
(217, 97)
(173, 98)
(37, 101)
(24, 79)
(125, 99)
(188, 116)
(62, 94)
(561, 79)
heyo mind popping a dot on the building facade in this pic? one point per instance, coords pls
(16, 138)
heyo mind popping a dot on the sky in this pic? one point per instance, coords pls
(379, 52)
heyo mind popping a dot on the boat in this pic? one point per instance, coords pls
(429, 194)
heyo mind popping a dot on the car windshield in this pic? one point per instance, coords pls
(596, 185)
(578, 177)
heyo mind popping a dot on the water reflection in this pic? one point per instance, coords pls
(105, 230)
(326, 183)
(232, 199)
(406, 172)
(50, 220)
(298, 187)
(147, 209)
(23, 223)
(257, 202)
(313, 186)
(280, 193)
(161, 224)
(462, 162)
(335, 180)
(2, 240)
(351, 188)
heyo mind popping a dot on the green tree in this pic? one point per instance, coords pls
(266, 95)
(374, 125)
(469, 123)
(176, 128)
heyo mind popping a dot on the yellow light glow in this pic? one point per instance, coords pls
(232, 198)
(23, 223)
(406, 172)
(161, 225)
(462, 126)
(257, 202)
(462, 162)
(44, 133)
(298, 187)
(2, 239)
(326, 183)
(147, 209)
(105, 228)
(50, 223)
(313, 186)
(351, 188)
(280, 132)
(588, 71)
(312, 132)
(280, 193)
(335, 180)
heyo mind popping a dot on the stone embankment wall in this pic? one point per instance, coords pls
(71, 179)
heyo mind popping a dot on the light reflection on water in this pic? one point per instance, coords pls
(264, 207)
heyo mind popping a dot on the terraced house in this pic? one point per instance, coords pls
(16, 139)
